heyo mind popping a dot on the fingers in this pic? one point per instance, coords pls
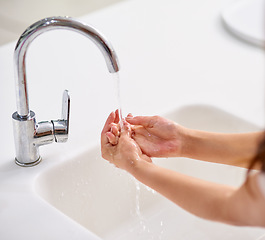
(112, 138)
(115, 129)
(117, 116)
(127, 130)
(112, 119)
(106, 139)
(113, 134)
(109, 120)
(111, 130)
(107, 128)
(145, 121)
(143, 143)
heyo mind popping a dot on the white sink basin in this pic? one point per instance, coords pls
(110, 203)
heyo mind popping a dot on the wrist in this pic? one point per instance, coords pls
(180, 141)
(176, 144)
(139, 166)
(188, 142)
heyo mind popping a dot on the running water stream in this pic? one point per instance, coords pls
(144, 229)
(116, 79)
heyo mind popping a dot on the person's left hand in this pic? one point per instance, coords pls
(118, 147)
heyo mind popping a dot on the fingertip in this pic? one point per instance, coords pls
(117, 116)
(112, 139)
(115, 130)
(108, 122)
(127, 127)
(111, 117)
(112, 114)
(129, 119)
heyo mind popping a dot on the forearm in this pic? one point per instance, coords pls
(233, 149)
(201, 198)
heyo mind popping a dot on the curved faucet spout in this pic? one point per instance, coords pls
(28, 134)
(45, 25)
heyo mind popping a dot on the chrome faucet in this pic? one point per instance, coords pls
(28, 134)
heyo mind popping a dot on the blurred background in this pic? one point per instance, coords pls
(17, 15)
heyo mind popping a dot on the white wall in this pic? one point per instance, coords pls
(17, 15)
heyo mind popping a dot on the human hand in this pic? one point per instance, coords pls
(118, 147)
(157, 136)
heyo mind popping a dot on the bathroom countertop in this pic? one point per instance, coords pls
(172, 54)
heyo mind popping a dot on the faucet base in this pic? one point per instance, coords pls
(31, 164)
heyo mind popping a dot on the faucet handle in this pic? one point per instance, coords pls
(61, 126)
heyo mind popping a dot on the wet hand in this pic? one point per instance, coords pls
(117, 145)
(157, 136)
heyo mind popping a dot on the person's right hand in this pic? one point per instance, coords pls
(157, 136)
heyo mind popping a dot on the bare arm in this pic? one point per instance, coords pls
(236, 149)
(243, 206)
(159, 137)
(237, 206)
